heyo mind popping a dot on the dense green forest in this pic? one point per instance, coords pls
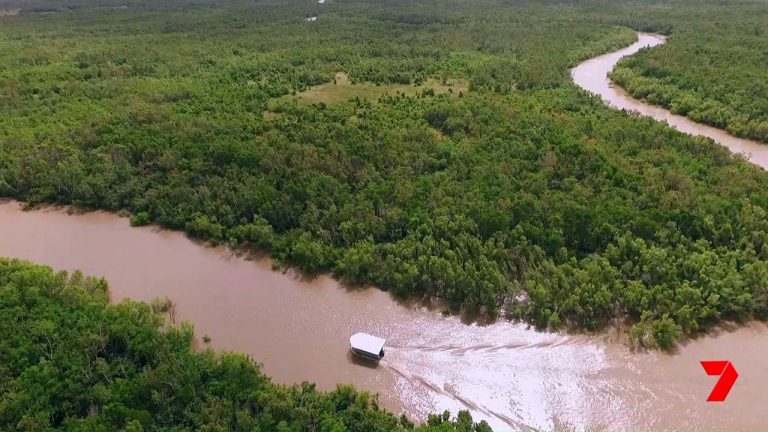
(714, 69)
(69, 361)
(522, 194)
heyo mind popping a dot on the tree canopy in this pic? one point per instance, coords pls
(522, 194)
(70, 361)
(713, 70)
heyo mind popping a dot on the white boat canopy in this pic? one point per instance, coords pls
(368, 344)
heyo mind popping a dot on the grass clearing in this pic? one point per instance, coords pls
(342, 90)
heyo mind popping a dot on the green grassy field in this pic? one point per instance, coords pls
(342, 90)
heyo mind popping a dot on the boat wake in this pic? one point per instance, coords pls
(519, 380)
(451, 393)
(455, 349)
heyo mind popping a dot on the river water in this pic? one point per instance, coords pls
(592, 75)
(514, 377)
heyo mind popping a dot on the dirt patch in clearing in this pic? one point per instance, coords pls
(269, 115)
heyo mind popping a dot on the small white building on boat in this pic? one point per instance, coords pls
(367, 346)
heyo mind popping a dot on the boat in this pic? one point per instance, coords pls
(367, 346)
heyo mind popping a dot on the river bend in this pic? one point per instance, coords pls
(510, 375)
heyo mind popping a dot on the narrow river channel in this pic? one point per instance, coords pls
(514, 377)
(592, 75)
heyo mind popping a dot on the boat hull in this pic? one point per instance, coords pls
(366, 355)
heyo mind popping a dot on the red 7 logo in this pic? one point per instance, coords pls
(728, 376)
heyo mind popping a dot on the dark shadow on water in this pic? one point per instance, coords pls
(70, 209)
(249, 254)
(359, 361)
(76, 210)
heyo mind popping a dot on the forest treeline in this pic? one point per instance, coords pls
(71, 362)
(713, 69)
(524, 195)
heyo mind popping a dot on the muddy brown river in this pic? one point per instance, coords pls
(514, 377)
(592, 75)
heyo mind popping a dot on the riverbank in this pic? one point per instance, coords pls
(72, 361)
(592, 75)
(506, 373)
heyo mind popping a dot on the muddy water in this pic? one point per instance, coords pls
(592, 75)
(514, 377)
